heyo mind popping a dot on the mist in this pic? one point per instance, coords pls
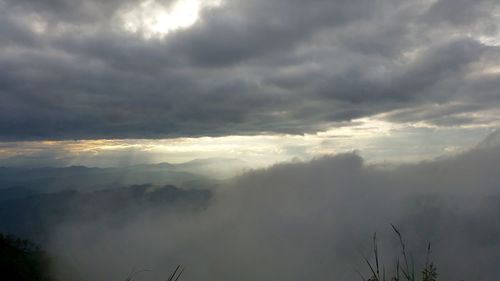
(306, 220)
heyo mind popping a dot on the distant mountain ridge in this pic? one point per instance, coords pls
(195, 173)
(33, 216)
(45, 180)
(213, 167)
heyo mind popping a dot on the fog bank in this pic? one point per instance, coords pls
(307, 220)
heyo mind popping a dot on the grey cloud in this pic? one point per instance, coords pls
(461, 12)
(247, 67)
(458, 99)
(67, 11)
(310, 219)
(14, 33)
(366, 39)
(248, 29)
(414, 80)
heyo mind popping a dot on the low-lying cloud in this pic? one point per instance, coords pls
(307, 220)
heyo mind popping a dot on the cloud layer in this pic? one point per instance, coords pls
(309, 220)
(71, 70)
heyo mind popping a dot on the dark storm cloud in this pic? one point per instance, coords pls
(413, 81)
(249, 29)
(67, 11)
(70, 71)
(460, 12)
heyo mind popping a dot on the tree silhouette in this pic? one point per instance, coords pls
(21, 260)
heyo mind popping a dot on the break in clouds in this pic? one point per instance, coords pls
(307, 220)
(123, 69)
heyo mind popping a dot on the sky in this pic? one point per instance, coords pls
(117, 82)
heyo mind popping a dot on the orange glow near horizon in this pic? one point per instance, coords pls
(376, 139)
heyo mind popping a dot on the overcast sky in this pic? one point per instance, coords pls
(410, 78)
